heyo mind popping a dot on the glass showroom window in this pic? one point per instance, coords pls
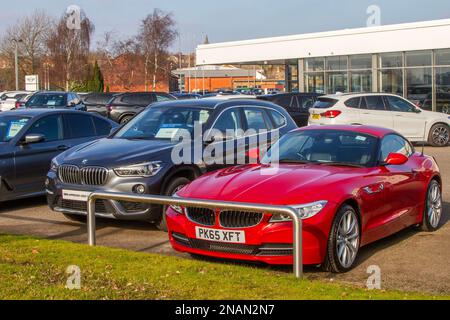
(315, 82)
(361, 73)
(442, 74)
(419, 78)
(314, 64)
(391, 73)
(337, 75)
(314, 75)
(336, 82)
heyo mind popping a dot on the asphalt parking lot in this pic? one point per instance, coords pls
(410, 260)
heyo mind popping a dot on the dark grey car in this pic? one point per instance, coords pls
(138, 157)
(30, 138)
(55, 100)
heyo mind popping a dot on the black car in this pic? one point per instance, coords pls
(123, 107)
(31, 138)
(55, 100)
(142, 156)
(97, 102)
(296, 104)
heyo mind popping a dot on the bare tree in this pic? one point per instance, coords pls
(155, 36)
(69, 50)
(33, 32)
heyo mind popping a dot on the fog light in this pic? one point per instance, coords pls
(139, 188)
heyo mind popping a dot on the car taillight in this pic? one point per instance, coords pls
(108, 108)
(331, 114)
(17, 105)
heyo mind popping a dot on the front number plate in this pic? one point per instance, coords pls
(234, 236)
(75, 195)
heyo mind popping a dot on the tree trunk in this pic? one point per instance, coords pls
(156, 69)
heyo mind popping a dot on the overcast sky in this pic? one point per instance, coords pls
(233, 19)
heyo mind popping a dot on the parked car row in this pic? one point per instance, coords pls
(345, 177)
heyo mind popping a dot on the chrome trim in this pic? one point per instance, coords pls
(89, 176)
(250, 226)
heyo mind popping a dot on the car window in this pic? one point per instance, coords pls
(353, 102)
(278, 119)
(98, 98)
(80, 125)
(375, 103)
(102, 127)
(395, 144)
(161, 97)
(229, 120)
(399, 104)
(256, 119)
(324, 103)
(11, 126)
(50, 127)
(325, 146)
(284, 101)
(306, 102)
(138, 99)
(47, 100)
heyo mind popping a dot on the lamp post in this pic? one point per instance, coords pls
(16, 60)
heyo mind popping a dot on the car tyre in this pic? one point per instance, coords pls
(439, 135)
(343, 241)
(174, 186)
(125, 119)
(75, 217)
(433, 208)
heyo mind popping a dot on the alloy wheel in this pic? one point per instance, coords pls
(434, 205)
(347, 243)
(440, 135)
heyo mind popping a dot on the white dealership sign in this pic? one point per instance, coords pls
(32, 82)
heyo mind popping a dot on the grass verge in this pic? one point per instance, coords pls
(32, 268)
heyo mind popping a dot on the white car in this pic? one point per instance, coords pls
(8, 99)
(382, 110)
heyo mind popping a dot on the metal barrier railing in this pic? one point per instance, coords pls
(200, 203)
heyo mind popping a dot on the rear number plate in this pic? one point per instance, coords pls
(315, 116)
(234, 236)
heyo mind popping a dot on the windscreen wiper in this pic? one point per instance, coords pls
(344, 164)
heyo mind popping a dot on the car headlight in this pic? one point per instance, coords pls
(146, 170)
(54, 165)
(305, 211)
(177, 209)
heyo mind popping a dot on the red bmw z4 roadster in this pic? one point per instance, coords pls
(351, 185)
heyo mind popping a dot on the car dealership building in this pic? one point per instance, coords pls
(411, 59)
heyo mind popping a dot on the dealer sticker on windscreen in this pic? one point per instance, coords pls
(231, 236)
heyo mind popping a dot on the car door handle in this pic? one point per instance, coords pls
(62, 148)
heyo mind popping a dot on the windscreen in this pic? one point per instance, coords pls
(325, 147)
(163, 122)
(10, 126)
(324, 103)
(47, 100)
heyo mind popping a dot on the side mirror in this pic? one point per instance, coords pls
(114, 130)
(417, 110)
(254, 155)
(33, 138)
(396, 159)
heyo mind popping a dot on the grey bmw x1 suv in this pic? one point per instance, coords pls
(138, 157)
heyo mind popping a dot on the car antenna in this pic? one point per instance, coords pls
(423, 140)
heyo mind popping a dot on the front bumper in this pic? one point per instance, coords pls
(269, 243)
(121, 210)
